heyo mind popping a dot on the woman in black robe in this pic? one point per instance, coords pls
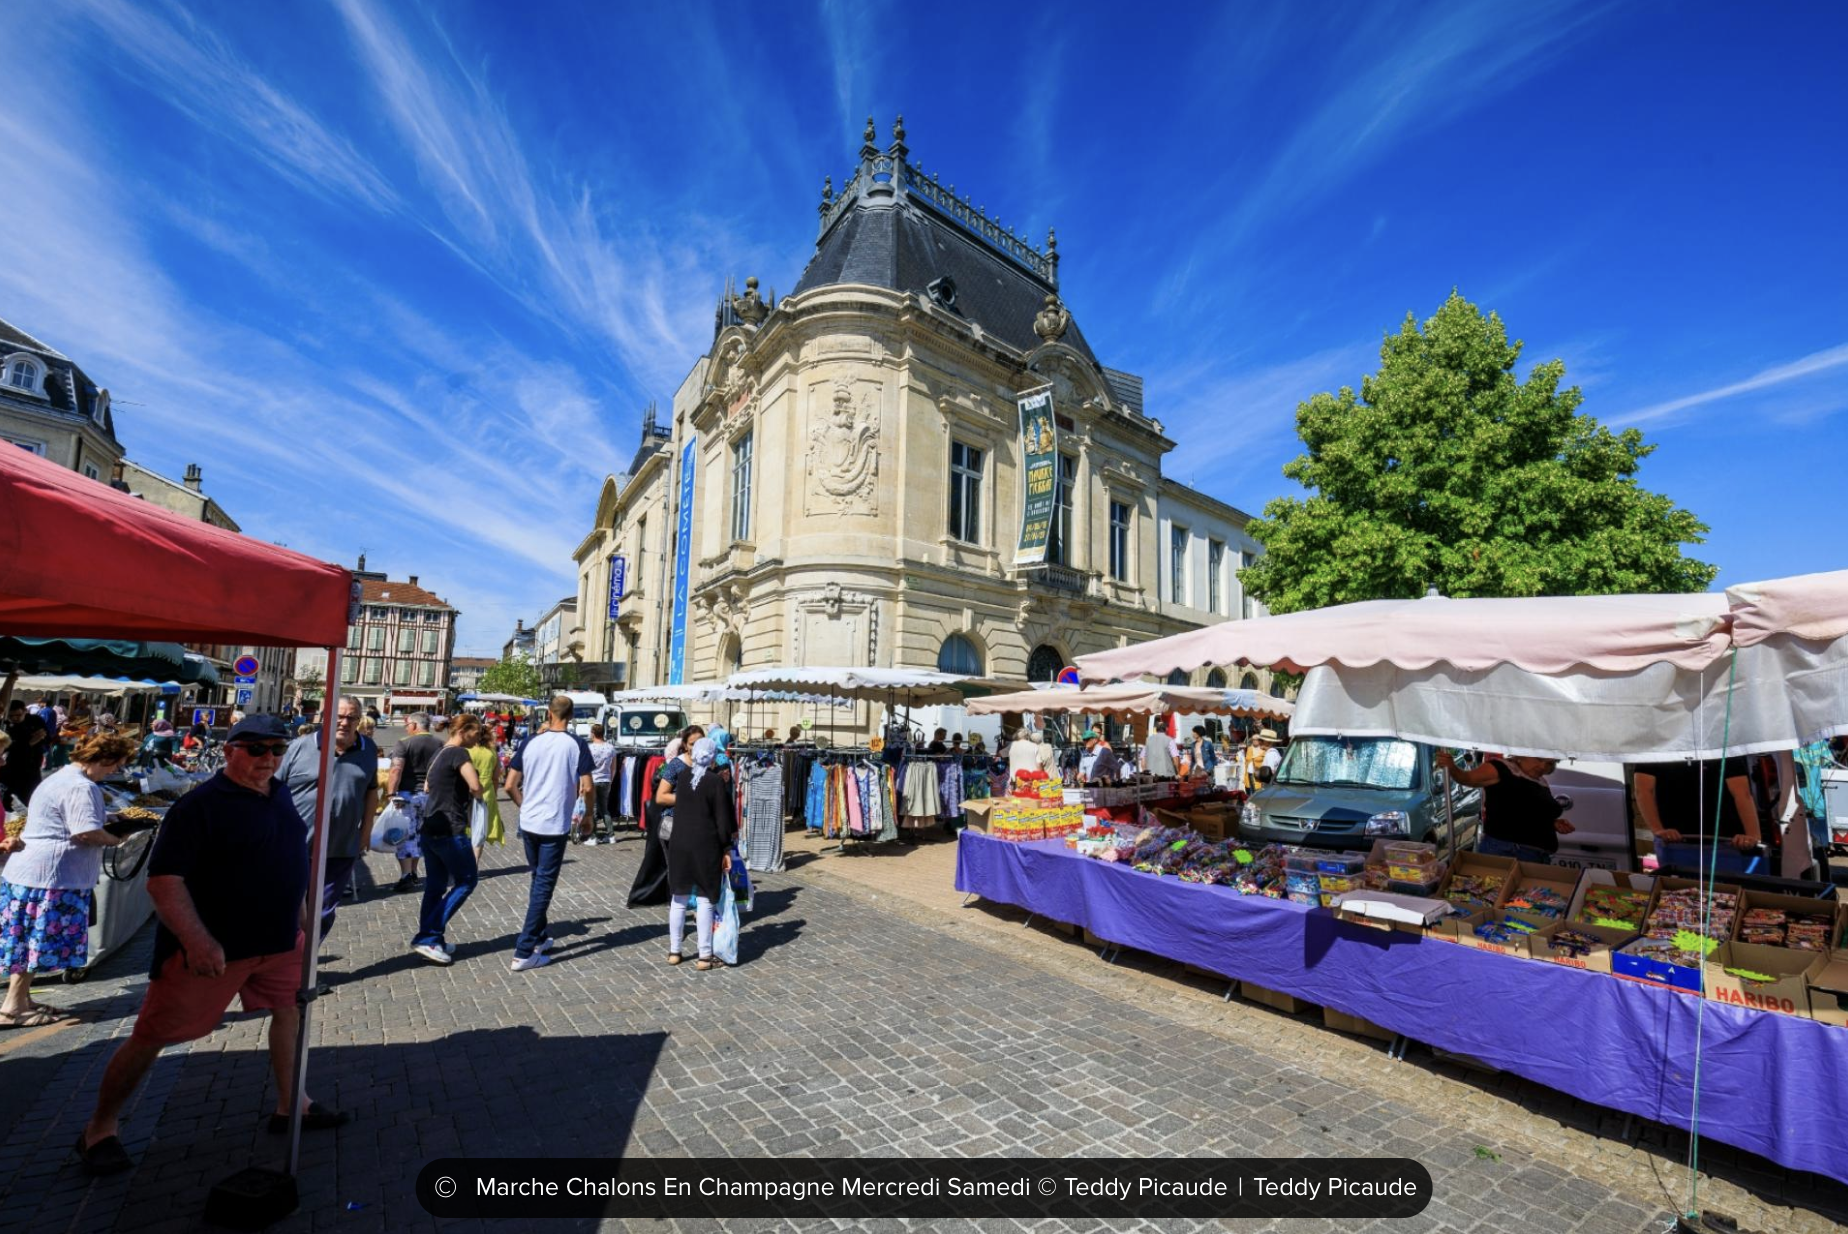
(650, 885)
(698, 848)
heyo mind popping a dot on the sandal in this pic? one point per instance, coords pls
(106, 1156)
(37, 1017)
(709, 962)
(673, 957)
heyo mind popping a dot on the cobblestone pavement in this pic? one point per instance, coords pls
(861, 1021)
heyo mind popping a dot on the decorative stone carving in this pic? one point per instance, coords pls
(1053, 320)
(750, 307)
(830, 624)
(843, 455)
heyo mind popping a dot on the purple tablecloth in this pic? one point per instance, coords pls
(1769, 1083)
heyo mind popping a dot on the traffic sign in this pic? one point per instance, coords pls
(245, 666)
(246, 681)
(1068, 676)
(205, 715)
(244, 697)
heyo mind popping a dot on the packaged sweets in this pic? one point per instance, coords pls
(1809, 934)
(1617, 906)
(1474, 892)
(1681, 909)
(1540, 901)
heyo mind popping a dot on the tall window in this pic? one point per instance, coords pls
(965, 492)
(374, 671)
(375, 638)
(1216, 680)
(349, 671)
(1248, 682)
(407, 642)
(429, 642)
(428, 672)
(1177, 563)
(959, 655)
(1215, 567)
(1059, 548)
(1119, 541)
(741, 488)
(352, 638)
(401, 673)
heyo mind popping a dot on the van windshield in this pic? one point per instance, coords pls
(650, 722)
(585, 711)
(1363, 762)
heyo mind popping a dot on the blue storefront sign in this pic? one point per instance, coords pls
(619, 573)
(683, 551)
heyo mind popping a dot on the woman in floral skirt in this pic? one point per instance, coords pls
(48, 886)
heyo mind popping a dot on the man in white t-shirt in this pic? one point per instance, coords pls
(602, 774)
(549, 780)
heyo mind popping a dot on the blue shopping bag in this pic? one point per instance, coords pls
(725, 928)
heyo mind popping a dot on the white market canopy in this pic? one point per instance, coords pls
(1135, 698)
(685, 693)
(914, 687)
(1608, 678)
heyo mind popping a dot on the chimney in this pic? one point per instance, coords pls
(194, 477)
(413, 580)
(362, 562)
(519, 624)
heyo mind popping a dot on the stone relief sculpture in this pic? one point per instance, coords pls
(843, 456)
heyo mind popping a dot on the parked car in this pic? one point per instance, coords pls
(1347, 792)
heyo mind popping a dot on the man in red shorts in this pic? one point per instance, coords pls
(229, 880)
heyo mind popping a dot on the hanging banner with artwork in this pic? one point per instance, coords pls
(619, 573)
(1039, 486)
(683, 553)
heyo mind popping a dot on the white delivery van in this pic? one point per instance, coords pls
(636, 726)
(586, 707)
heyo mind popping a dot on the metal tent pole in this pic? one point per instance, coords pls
(317, 864)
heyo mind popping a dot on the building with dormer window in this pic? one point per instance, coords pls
(841, 481)
(50, 407)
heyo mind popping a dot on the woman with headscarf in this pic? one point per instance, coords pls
(650, 886)
(699, 849)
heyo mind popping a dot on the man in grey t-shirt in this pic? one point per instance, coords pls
(355, 775)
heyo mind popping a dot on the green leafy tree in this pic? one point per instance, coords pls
(1446, 471)
(309, 682)
(513, 675)
(567, 675)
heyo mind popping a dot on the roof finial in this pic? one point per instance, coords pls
(871, 134)
(827, 194)
(1052, 240)
(898, 136)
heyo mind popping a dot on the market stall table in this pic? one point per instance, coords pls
(1768, 1081)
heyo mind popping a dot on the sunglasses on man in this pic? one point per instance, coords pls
(274, 749)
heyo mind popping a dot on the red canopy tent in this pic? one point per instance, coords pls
(83, 560)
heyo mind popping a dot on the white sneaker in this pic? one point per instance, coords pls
(537, 959)
(436, 955)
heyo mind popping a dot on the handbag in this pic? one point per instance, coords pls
(725, 928)
(478, 823)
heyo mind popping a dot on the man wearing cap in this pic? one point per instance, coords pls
(229, 879)
(1261, 760)
(1100, 764)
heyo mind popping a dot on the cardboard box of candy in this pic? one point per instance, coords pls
(1655, 961)
(1613, 898)
(1485, 931)
(1799, 923)
(1542, 894)
(1828, 991)
(1763, 978)
(1578, 944)
(1477, 883)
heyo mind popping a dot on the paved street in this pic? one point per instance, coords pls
(869, 1016)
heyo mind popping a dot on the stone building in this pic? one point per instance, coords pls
(50, 407)
(465, 673)
(186, 496)
(845, 467)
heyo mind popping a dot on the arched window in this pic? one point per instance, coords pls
(24, 373)
(1216, 680)
(1248, 682)
(1177, 678)
(1044, 664)
(959, 655)
(1276, 689)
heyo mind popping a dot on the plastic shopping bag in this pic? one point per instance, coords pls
(725, 928)
(740, 880)
(478, 823)
(391, 828)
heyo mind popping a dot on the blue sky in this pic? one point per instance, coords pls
(401, 277)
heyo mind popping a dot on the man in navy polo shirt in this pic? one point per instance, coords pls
(229, 880)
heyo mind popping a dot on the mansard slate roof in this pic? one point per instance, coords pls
(69, 392)
(904, 245)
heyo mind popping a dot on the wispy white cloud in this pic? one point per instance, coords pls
(850, 27)
(1778, 375)
(189, 66)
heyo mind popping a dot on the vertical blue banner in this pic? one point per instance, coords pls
(683, 552)
(619, 573)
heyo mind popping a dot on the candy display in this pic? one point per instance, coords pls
(1614, 906)
(1667, 951)
(1413, 863)
(1471, 893)
(1574, 943)
(1680, 909)
(1506, 931)
(1020, 819)
(1540, 902)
